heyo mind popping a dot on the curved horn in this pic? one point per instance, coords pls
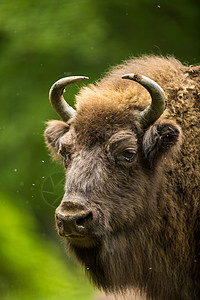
(150, 114)
(63, 109)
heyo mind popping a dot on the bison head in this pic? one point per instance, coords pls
(115, 158)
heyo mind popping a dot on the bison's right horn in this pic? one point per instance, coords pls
(63, 109)
(150, 114)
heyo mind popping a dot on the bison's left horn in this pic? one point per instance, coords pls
(150, 114)
(63, 109)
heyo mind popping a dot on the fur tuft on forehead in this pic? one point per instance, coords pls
(97, 123)
(114, 92)
(114, 102)
(120, 95)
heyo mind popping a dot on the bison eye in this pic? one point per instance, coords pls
(66, 156)
(128, 155)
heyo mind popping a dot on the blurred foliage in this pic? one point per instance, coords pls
(40, 42)
(31, 267)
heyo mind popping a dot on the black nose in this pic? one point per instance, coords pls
(73, 219)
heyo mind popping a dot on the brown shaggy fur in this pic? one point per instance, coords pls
(146, 226)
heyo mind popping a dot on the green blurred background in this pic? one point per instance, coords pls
(40, 42)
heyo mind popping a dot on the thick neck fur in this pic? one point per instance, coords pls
(147, 256)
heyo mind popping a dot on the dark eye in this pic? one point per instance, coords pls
(128, 155)
(66, 156)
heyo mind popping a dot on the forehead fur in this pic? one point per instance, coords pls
(122, 95)
(114, 103)
(96, 125)
(112, 91)
(102, 112)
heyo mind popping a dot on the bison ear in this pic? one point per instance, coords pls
(54, 131)
(161, 140)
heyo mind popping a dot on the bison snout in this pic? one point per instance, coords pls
(73, 220)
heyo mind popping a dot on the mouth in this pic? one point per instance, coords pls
(75, 236)
(82, 241)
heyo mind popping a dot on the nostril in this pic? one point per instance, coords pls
(71, 223)
(82, 220)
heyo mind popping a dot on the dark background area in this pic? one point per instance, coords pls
(40, 42)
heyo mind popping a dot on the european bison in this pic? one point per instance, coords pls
(131, 212)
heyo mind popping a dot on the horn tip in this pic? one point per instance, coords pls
(133, 76)
(128, 76)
